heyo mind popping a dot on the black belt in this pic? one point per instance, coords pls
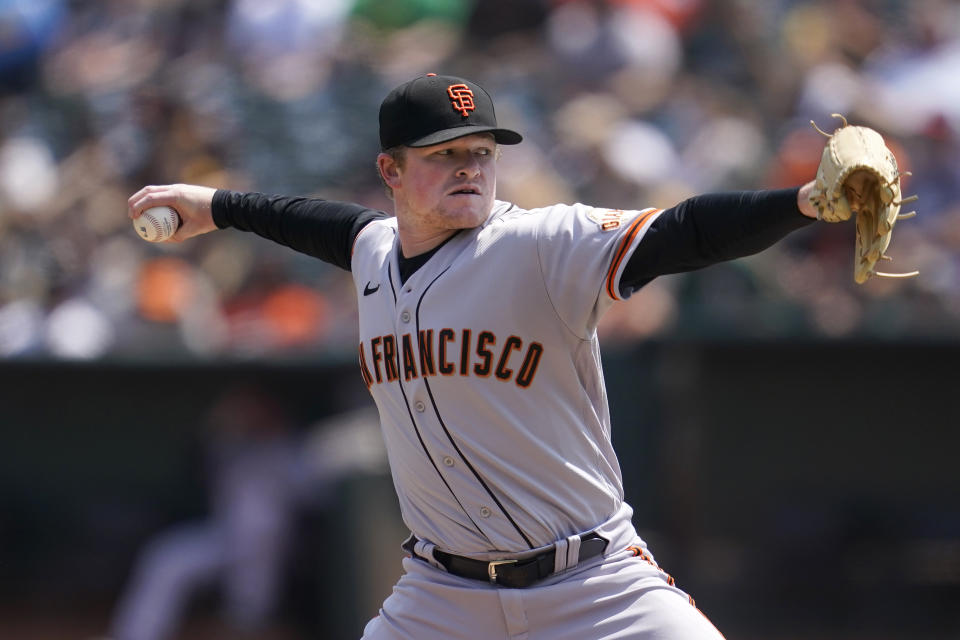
(516, 574)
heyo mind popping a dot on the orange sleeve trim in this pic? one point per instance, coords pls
(354, 245)
(624, 248)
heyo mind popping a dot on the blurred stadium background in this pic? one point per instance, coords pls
(788, 438)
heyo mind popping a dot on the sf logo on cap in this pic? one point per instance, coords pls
(462, 98)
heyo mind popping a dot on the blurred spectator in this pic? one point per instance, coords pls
(263, 474)
(626, 103)
(241, 549)
(28, 27)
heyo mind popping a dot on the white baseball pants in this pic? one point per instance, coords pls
(621, 596)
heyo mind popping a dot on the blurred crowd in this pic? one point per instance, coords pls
(623, 104)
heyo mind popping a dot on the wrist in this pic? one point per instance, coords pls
(803, 200)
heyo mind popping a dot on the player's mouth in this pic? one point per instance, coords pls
(465, 191)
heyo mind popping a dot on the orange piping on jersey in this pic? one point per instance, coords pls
(694, 604)
(354, 245)
(623, 248)
(637, 551)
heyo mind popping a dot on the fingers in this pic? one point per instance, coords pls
(193, 204)
(859, 189)
(152, 196)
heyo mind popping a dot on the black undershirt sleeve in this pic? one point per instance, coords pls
(323, 229)
(712, 228)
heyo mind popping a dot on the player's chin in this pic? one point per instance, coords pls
(468, 211)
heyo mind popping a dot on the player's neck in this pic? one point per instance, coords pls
(427, 220)
(413, 243)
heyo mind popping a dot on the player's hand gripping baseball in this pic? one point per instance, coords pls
(192, 202)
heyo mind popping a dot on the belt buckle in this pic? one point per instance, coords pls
(492, 568)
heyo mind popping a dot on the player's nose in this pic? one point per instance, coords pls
(470, 168)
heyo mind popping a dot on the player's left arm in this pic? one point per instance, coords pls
(712, 228)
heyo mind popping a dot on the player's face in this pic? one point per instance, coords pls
(447, 186)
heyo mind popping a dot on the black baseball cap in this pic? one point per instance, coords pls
(432, 109)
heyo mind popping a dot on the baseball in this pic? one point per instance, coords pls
(156, 224)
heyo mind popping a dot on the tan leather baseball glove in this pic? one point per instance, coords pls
(858, 175)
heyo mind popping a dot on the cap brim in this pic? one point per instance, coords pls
(502, 136)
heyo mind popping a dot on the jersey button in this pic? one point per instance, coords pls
(419, 406)
(447, 460)
(405, 316)
(484, 512)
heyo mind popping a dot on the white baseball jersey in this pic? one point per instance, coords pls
(486, 370)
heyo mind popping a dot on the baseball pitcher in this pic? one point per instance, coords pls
(478, 344)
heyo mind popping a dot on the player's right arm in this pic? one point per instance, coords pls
(320, 228)
(192, 202)
(324, 229)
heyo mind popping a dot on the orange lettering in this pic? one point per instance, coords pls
(530, 363)
(513, 342)
(390, 361)
(446, 335)
(426, 353)
(483, 340)
(377, 357)
(364, 371)
(461, 97)
(409, 361)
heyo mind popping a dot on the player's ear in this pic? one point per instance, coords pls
(389, 170)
